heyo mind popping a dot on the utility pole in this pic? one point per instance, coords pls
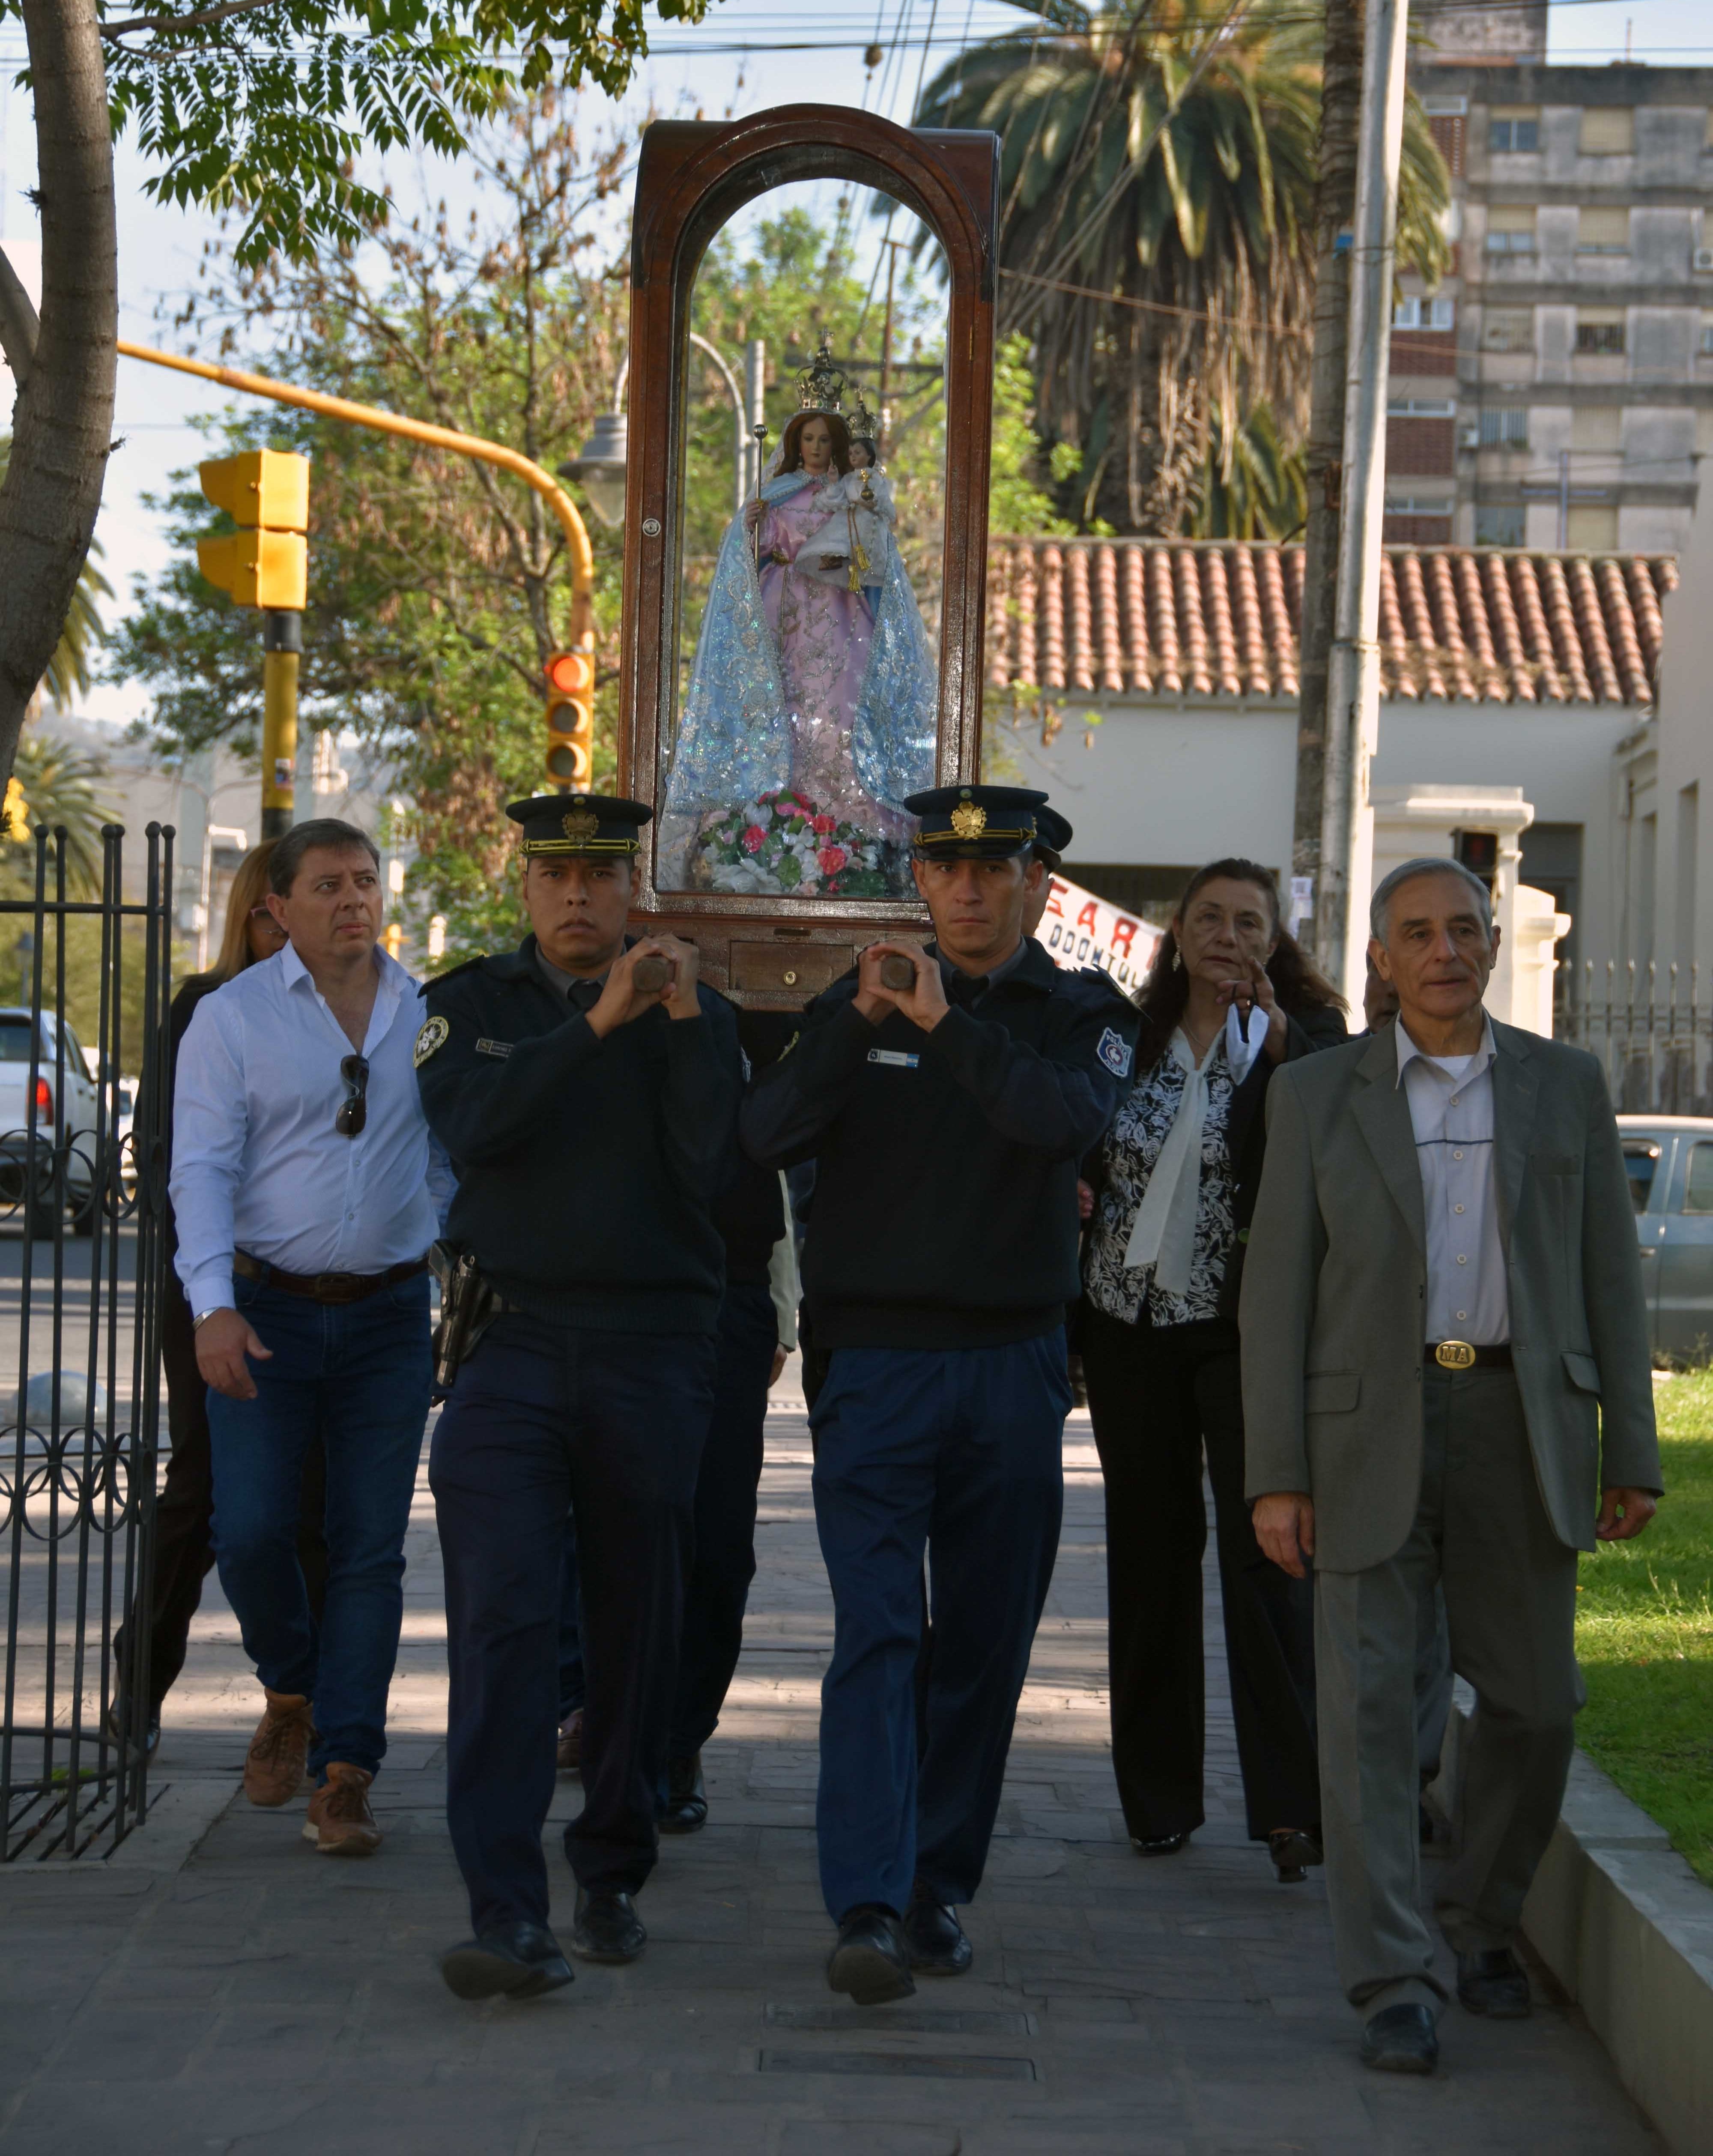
(1335, 214)
(892, 246)
(1353, 672)
(282, 654)
(755, 384)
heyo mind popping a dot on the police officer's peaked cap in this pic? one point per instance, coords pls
(591, 823)
(1053, 835)
(974, 823)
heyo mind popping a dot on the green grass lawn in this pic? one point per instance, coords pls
(1644, 1635)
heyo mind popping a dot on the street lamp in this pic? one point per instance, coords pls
(599, 467)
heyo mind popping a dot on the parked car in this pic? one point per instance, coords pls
(1669, 1163)
(64, 1103)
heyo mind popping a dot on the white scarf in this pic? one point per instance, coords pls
(1164, 1235)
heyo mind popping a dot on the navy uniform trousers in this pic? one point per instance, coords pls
(545, 1418)
(957, 1451)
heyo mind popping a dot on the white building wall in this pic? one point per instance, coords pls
(1163, 785)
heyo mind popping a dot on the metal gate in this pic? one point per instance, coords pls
(82, 1252)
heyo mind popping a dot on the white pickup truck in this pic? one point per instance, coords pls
(63, 1105)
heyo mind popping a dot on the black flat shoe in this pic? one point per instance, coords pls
(513, 1960)
(1160, 1844)
(686, 1806)
(119, 1728)
(935, 1943)
(1292, 1851)
(868, 1961)
(1492, 1981)
(607, 1927)
(1400, 2040)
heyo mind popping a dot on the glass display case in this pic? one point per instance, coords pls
(804, 595)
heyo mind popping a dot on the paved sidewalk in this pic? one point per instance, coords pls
(216, 1987)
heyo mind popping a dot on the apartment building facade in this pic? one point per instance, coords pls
(1557, 390)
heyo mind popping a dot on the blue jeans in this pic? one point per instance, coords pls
(355, 1375)
(957, 1450)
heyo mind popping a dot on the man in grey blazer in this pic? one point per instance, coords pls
(1444, 1359)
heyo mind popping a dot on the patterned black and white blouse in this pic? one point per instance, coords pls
(1132, 1147)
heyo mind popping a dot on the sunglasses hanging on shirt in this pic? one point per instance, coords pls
(354, 1113)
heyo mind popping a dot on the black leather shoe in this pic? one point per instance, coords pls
(119, 1727)
(934, 1941)
(1293, 1850)
(686, 1806)
(1400, 2040)
(1492, 1981)
(868, 1961)
(607, 1927)
(515, 1961)
(1160, 1844)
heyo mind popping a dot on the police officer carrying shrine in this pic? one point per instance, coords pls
(945, 1119)
(592, 1120)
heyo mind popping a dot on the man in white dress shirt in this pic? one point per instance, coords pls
(1446, 1381)
(307, 1191)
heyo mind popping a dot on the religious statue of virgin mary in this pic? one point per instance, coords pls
(812, 698)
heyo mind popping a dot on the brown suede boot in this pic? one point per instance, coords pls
(339, 1823)
(274, 1766)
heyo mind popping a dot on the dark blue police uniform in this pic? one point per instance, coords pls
(587, 1167)
(941, 1251)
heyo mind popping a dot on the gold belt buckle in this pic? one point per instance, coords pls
(1454, 1355)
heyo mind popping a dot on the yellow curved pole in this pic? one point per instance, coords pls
(576, 536)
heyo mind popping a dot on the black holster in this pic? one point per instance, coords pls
(469, 1305)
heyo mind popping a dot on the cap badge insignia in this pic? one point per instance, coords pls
(433, 1036)
(969, 820)
(581, 824)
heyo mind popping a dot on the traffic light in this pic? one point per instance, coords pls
(571, 718)
(265, 563)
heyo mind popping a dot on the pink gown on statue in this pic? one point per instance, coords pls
(823, 631)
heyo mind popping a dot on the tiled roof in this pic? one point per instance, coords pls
(1158, 617)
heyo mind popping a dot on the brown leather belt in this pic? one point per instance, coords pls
(1458, 1355)
(324, 1287)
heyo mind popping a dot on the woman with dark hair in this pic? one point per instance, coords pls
(1229, 996)
(184, 1549)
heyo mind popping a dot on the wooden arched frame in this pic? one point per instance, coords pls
(693, 178)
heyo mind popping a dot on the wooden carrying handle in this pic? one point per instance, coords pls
(651, 972)
(896, 971)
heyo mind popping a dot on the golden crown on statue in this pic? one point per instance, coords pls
(821, 388)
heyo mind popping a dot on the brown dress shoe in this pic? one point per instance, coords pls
(274, 1766)
(570, 1754)
(339, 1823)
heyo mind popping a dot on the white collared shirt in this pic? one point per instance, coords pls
(257, 1163)
(1451, 1109)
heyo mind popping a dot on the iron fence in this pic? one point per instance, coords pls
(1650, 1026)
(83, 1192)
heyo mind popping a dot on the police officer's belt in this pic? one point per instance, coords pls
(324, 1287)
(1458, 1355)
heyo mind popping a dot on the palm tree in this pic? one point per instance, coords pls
(1249, 486)
(68, 674)
(1157, 195)
(53, 784)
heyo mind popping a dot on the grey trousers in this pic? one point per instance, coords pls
(1509, 1589)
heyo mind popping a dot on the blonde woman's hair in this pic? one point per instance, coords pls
(249, 889)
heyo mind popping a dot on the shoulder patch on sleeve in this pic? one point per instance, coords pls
(1114, 1050)
(434, 1036)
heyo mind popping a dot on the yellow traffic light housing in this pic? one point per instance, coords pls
(257, 568)
(265, 563)
(571, 718)
(269, 487)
